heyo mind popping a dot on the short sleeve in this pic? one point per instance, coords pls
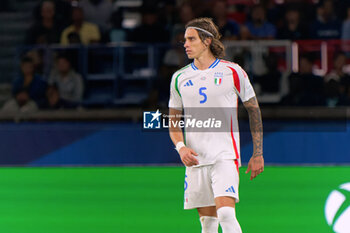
(175, 100)
(64, 37)
(242, 84)
(94, 33)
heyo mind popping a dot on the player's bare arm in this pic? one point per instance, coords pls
(256, 162)
(187, 155)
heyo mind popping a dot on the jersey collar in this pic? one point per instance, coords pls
(215, 63)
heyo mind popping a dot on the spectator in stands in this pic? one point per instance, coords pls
(47, 30)
(54, 101)
(270, 81)
(28, 89)
(37, 57)
(228, 28)
(326, 25)
(259, 28)
(345, 35)
(150, 30)
(239, 13)
(186, 14)
(63, 13)
(292, 29)
(98, 12)
(69, 82)
(88, 32)
(338, 72)
(274, 13)
(21, 103)
(30, 81)
(337, 83)
(305, 88)
(117, 33)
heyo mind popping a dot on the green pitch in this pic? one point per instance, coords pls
(149, 199)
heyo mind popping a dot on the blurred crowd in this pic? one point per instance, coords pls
(102, 21)
(87, 22)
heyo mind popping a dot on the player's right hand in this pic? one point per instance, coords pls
(187, 156)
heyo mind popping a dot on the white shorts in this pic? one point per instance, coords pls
(203, 184)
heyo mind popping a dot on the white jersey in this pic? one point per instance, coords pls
(215, 89)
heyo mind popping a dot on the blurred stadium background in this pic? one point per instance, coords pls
(74, 155)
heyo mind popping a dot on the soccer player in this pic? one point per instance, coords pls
(212, 158)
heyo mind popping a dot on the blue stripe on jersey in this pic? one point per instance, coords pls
(193, 66)
(214, 63)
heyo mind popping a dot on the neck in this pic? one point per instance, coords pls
(48, 23)
(339, 71)
(27, 79)
(78, 25)
(64, 73)
(203, 62)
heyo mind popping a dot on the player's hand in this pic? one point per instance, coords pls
(187, 156)
(256, 166)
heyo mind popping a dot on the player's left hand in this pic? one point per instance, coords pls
(256, 165)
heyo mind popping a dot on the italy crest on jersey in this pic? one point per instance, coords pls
(218, 78)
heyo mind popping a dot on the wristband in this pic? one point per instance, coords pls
(179, 145)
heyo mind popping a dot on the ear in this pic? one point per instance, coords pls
(207, 41)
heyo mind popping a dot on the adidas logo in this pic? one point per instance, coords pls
(230, 190)
(189, 83)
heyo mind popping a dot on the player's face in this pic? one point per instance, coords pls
(193, 44)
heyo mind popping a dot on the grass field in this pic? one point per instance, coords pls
(149, 199)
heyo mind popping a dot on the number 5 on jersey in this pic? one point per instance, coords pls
(201, 92)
